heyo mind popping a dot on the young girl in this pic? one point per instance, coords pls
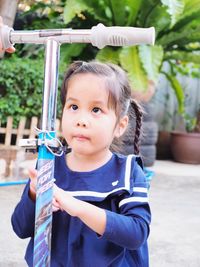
(103, 215)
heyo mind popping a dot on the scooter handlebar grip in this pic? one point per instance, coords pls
(121, 36)
(5, 36)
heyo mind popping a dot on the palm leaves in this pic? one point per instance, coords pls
(174, 8)
(177, 28)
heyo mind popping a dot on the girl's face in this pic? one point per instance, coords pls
(88, 124)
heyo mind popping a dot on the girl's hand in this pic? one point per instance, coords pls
(55, 205)
(66, 201)
(94, 217)
(33, 186)
(33, 177)
(10, 49)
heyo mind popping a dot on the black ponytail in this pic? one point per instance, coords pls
(138, 112)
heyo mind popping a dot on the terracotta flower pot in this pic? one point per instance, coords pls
(163, 145)
(185, 147)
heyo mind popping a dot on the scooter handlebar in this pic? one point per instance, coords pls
(5, 36)
(99, 36)
(121, 36)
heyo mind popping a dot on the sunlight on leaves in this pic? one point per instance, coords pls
(175, 8)
(151, 58)
(130, 61)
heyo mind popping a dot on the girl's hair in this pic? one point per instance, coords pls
(117, 84)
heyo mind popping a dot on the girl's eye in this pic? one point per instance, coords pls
(74, 107)
(96, 110)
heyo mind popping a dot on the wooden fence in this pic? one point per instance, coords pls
(7, 133)
(10, 136)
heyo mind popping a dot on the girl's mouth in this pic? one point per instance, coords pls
(81, 137)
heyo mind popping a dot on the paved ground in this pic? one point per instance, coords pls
(11, 247)
(175, 203)
(175, 229)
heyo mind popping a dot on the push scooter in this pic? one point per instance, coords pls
(47, 145)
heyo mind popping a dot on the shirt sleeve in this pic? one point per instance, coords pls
(23, 217)
(130, 228)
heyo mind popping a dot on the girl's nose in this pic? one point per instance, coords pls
(82, 123)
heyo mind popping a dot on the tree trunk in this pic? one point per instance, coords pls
(8, 10)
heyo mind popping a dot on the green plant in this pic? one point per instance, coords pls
(190, 122)
(177, 36)
(21, 85)
(191, 70)
(21, 81)
(39, 15)
(21, 88)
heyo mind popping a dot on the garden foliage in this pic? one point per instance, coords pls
(177, 44)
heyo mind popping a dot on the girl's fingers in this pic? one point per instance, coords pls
(32, 174)
(55, 205)
(54, 209)
(56, 190)
(10, 49)
(33, 177)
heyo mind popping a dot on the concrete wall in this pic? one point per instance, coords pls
(165, 102)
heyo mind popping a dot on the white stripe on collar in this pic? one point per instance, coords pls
(140, 189)
(128, 171)
(105, 194)
(133, 199)
(94, 193)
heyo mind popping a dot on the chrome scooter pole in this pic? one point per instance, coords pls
(44, 192)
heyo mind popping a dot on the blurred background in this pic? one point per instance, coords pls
(164, 77)
(165, 81)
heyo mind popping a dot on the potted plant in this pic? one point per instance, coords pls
(166, 147)
(164, 118)
(185, 145)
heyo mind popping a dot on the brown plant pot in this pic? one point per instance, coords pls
(185, 147)
(163, 145)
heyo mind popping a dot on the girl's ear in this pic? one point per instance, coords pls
(121, 126)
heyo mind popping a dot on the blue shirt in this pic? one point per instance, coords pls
(119, 187)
